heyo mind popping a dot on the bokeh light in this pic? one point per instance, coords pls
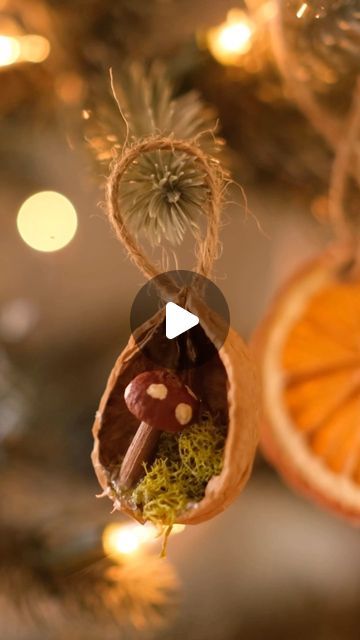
(126, 539)
(10, 50)
(17, 319)
(231, 39)
(34, 48)
(70, 88)
(120, 540)
(26, 48)
(47, 221)
(302, 10)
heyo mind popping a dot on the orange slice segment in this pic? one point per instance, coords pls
(309, 354)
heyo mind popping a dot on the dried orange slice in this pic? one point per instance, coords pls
(309, 353)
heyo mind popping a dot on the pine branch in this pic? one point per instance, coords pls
(77, 583)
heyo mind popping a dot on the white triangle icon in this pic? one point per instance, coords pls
(178, 320)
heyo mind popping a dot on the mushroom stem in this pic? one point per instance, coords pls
(141, 449)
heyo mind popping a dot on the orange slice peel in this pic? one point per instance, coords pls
(308, 348)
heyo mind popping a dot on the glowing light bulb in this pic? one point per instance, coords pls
(126, 539)
(10, 50)
(231, 39)
(47, 221)
(235, 38)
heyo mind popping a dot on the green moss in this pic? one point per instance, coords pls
(201, 450)
(178, 477)
(168, 448)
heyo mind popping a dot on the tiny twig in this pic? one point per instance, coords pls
(113, 91)
(141, 450)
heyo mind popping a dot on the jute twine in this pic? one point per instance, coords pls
(207, 247)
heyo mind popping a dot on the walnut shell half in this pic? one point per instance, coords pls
(228, 386)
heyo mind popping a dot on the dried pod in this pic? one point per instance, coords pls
(228, 389)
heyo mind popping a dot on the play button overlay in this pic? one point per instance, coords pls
(178, 320)
(177, 339)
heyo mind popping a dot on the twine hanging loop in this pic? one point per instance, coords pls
(207, 246)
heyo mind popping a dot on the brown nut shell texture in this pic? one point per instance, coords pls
(227, 386)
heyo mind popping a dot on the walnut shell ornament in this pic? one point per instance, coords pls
(227, 387)
(188, 458)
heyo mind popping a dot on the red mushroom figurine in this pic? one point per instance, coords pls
(162, 402)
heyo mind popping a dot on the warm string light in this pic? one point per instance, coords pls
(120, 540)
(304, 7)
(47, 221)
(231, 39)
(28, 48)
(241, 40)
(34, 48)
(10, 50)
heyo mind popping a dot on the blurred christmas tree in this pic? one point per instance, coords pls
(56, 572)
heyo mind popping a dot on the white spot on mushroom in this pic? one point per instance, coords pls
(183, 413)
(127, 391)
(157, 391)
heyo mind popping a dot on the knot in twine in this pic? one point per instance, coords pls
(206, 247)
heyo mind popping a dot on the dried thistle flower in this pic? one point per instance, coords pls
(163, 192)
